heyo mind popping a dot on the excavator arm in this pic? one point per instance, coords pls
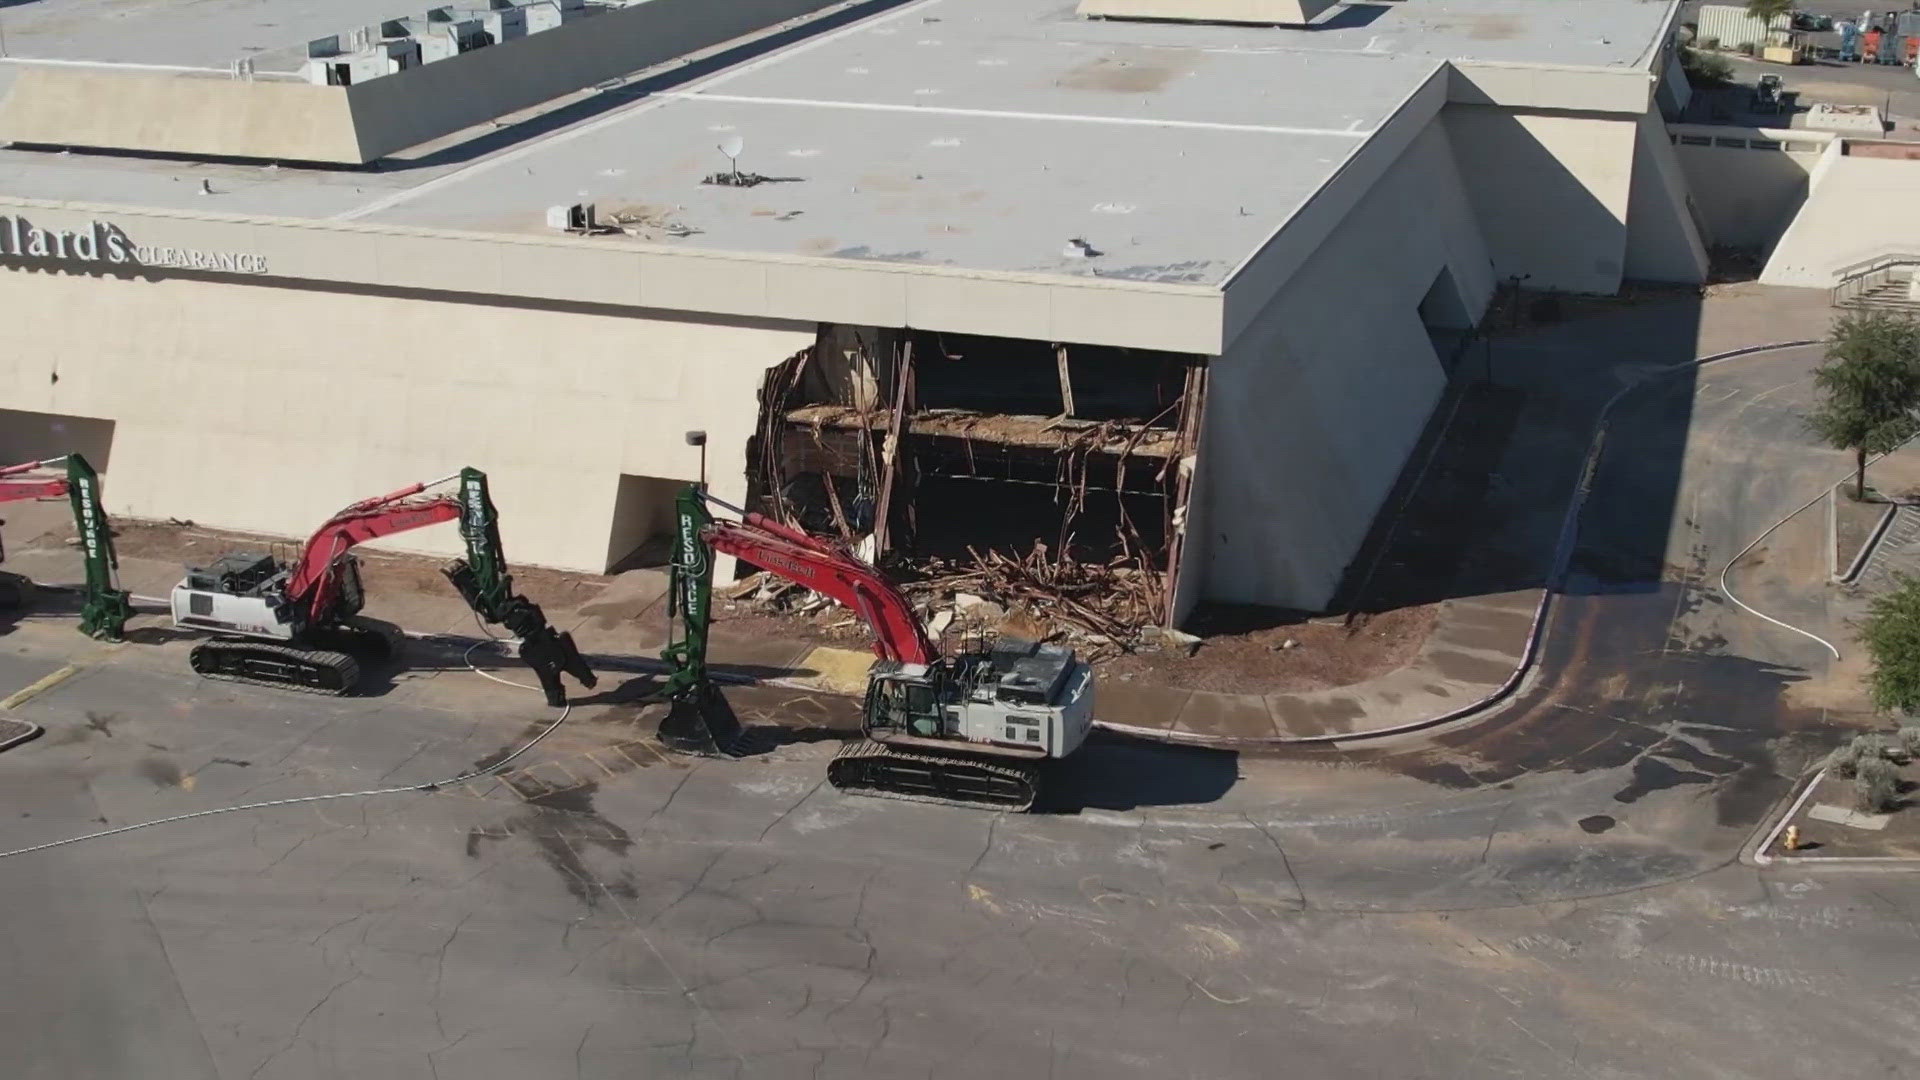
(483, 582)
(787, 553)
(105, 607)
(316, 586)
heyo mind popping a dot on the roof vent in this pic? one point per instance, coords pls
(1264, 12)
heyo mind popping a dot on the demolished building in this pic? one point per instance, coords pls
(1169, 298)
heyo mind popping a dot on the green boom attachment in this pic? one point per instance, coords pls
(483, 582)
(106, 607)
(690, 600)
(698, 720)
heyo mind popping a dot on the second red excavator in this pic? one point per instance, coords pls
(298, 624)
(969, 729)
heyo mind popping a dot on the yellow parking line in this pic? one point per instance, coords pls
(38, 687)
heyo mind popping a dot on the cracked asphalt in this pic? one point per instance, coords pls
(1551, 891)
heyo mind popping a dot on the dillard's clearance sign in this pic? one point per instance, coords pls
(101, 242)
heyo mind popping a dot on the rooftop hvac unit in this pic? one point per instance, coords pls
(577, 217)
(548, 14)
(504, 23)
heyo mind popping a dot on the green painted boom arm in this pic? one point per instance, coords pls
(485, 585)
(106, 607)
(690, 597)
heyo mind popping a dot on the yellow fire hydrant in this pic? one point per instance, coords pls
(1793, 838)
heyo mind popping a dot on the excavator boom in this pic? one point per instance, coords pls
(787, 553)
(314, 585)
(483, 582)
(105, 606)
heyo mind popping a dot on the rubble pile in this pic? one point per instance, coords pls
(1101, 609)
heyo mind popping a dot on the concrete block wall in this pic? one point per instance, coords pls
(267, 408)
(1663, 235)
(1857, 208)
(1747, 196)
(1551, 192)
(1313, 410)
(178, 113)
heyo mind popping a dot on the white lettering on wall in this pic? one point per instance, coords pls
(100, 241)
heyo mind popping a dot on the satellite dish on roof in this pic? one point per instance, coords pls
(731, 146)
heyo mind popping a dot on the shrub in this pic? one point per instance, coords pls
(1891, 634)
(1842, 764)
(1705, 69)
(1910, 740)
(1870, 747)
(1876, 785)
(1746, 48)
(1846, 761)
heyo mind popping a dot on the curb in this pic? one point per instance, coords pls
(1556, 578)
(1865, 553)
(1755, 854)
(23, 731)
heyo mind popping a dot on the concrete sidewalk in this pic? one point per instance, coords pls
(1476, 647)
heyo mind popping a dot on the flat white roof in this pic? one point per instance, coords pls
(963, 134)
(933, 142)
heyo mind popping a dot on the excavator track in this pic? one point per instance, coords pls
(311, 671)
(367, 640)
(15, 591)
(871, 768)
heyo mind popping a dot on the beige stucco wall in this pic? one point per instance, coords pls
(1746, 196)
(178, 113)
(1663, 237)
(1551, 191)
(267, 408)
(1313, 410)
(1857, 208)
(618, 270)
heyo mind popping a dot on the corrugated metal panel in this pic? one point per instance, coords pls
(1733, 27)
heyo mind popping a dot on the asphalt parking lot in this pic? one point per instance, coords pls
(1551, 891)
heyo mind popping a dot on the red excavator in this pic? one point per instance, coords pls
(298, 624)
(971, 729)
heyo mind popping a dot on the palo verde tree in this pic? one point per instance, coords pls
(1869, 386)
(1891, 634)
